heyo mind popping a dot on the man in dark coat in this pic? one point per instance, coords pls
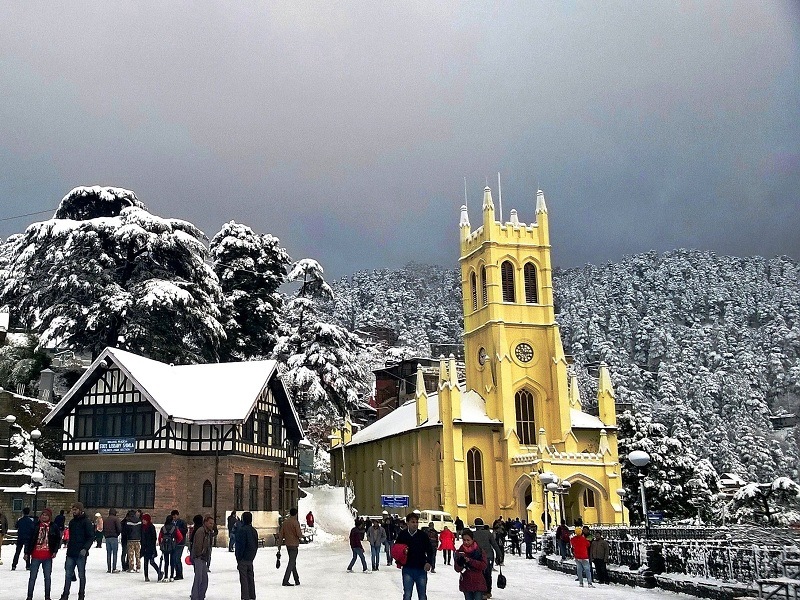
(246, 547)
(25, 528)
(484, 537)
(233, 525)
(419, 557)
(81, 538)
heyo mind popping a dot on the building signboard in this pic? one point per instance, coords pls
(396, 501)
(116, 446)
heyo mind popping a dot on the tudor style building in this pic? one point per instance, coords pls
(207, 438)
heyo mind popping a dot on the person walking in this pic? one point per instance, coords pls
(124, 538)
(433, 536)
(25, 528)
(447, 544)
(310, 519)
(134, 529)
(200, 553)
(486, 540)
(3, 533)
(419, 558)
(356, 535)
(176, 560)
(514, 538)
(42, 548)
(599, 551)
(459, 525)
(232, 523)
(376, 536)
(529, 537)
(168, 537)
(98, 529)
(290, 536)
(471, 562)
(111, 530)
(246, 547)
(563, 540)
(81, 538)
(391, 533)
(580, 550)
(148, 547)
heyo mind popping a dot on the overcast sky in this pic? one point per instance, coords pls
(347, 128)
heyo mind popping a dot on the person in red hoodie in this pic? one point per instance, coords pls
(447, 544)
(42, 548)
(470, 561)
(580, 550)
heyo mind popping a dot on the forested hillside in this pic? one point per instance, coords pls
(707, 345)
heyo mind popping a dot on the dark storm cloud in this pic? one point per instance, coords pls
(346, 128)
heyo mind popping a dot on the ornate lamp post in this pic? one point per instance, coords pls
(563, 491)
(36, 482)
(35, 435)
(10, 419)
(553, 489)
(622, 492)
(640, 459)
(546, 479)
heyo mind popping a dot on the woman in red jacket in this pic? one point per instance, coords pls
(447, 544)
(470, 562)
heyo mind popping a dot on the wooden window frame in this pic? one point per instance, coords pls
(475, 476)
(507, 281)
(531, 283)
(525, 410)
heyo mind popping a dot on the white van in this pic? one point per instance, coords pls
(438, 518)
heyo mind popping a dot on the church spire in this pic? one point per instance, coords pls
(541, 207)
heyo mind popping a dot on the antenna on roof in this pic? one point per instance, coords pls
(465, 194)
(500, 196)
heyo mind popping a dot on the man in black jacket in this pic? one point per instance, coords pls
(419, 557)
(25, 528)
(246, 548)
(81, 538)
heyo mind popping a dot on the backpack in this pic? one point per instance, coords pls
(168, 538)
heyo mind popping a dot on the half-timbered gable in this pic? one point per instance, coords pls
(137, 433)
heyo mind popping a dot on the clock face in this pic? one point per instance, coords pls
(482, 356)
(523, 352)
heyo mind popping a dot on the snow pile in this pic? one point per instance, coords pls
(332, 518)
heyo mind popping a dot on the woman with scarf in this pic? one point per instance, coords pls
(42, 548)
(471, 562)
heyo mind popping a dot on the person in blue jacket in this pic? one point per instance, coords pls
(81, 539)
(25, 529)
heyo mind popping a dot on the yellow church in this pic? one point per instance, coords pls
(485, 447)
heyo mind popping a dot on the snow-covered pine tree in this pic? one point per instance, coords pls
(322, 370)
(250, 267)
(113, 274)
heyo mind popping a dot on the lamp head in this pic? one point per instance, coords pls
(11, 419)
(622, 492)
(639, 458)
(37, 476)
(565, 485)
(36, 434)
(552, 487)
(547, 478)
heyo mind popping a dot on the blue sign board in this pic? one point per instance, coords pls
(396, 501)
(116, 446)
(655, 516)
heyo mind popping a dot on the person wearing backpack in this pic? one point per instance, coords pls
(168, 538)
(562, 538)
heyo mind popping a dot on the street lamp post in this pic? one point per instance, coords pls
(640, 459)
(10, 419)
(35, 435)
(552, 487)
(36, 481)
(563, 490)
(545, 479)
(622, 492)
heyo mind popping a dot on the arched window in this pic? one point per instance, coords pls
(475, 476)
(531, 289)
(507, 279)
(588, 498)
(526, 425)
(473, 282)
(207, 495)
(484, 292)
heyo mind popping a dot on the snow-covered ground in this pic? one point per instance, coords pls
(321, 566)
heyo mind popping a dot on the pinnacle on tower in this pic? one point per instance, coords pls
(541, 207)
(514, 217)
(464, 222)
(487, 198)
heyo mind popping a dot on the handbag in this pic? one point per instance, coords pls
(278, 560)
(501, 579)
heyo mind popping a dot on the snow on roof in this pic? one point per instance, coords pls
(216, 392)
(582, 420)
(404, 418)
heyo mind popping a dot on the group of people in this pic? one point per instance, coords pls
(589, 549)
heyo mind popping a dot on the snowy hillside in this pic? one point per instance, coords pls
(708, 345)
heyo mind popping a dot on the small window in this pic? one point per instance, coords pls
(253, 505)
(507, 279)
(267, 493)
(473, 281)
(475, 476)
(531, 288)
(238, 491)
(526, 424)
(588, 498)
(208, 496)
(484, 289)
(16, 505)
